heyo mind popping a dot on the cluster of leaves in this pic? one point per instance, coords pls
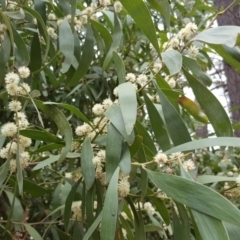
(103, 158)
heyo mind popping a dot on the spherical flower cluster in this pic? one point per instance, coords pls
(188, 31)
(174, 42)
(83, 130)
(24, 162)
(123, 186)
(24, 72)
(177, 156)
(157, 67)
(9, 129)
(238, 180)
(161, 159)
(98, 109)
(189, 165)
(149, 208)
(77, 211)
(51, 33)
(104, 2)
(142, 79)
(171, 81)
(131, 77)
(21, 120)
(15, 106)
(51, 16)
(117, 7)
(107, 103)
(193, 51)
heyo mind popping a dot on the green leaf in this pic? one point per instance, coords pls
(119, 64)
(62, 123)
(18, 15)
(86, 58)
(174, 123)
(142, 17)
(114, 114)
(147, 140)
(207, 142)
(136, 145)
(105, 34)
(128, 105)
(172, 60)
(41, 135)
(113, 151)
(87, 165)
(36, 55)
(5, 52)
(195, 68)
(157, 125)
(73, 110)
(33, 232)
(66, 46)
(40, 7)
(22, 55)
(125, 163)
(49, 147)
(233, 231)
(110, 209)
(18, 213)
(42, 28)
(117, 37)
(68, 204)
(214, 111)
(46, 162)
(204, 199)
(205, 179)
(163, 7)
(223, 51)
(226, 35)
(209, 227)
(93, 227)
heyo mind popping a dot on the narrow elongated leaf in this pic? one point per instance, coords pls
(87, 163)
(46, 162)
(105, 34)
(86, 58)
(192, 65)
(174, 123)
(62, 123)
(16, 14)
(73, 110)
(142, 17)
(128, 105)
(157, 124)
(117, 37)
(204, 199)
(207, 142)
(209, 227)
(125, 163)
(110, 209)
(119, 64)
(4, 56)
(163, 7)
(147, 140)
(214, 111)
(113, 151)
(233, 231)
(40, 7)
(33, 232)
(68, 204)
(22, 55)
(205, 179)
(219, 35)
(42, 28)
(114, 114)
(35, 54)
(173, 61)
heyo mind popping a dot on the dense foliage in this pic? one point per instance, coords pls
(98, 138)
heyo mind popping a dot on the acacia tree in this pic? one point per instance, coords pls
(97, 136)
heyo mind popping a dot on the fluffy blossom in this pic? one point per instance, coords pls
(123, 187)
(149, 208)
(9, 129)
(157, 66)
(15, 106)
(24, 72)
(238, 180)
(172, 83)
(131, 77)
(98, 109)
(193, 51)
(161, 158)
(142, 79)
(107, 103)
(77, 211)
(117, 7)
(24, 89)
(12, 89)
(188, 31)
(12, 78)
(189, 165)
(83, 129)
(51, 16)
(25, 141)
